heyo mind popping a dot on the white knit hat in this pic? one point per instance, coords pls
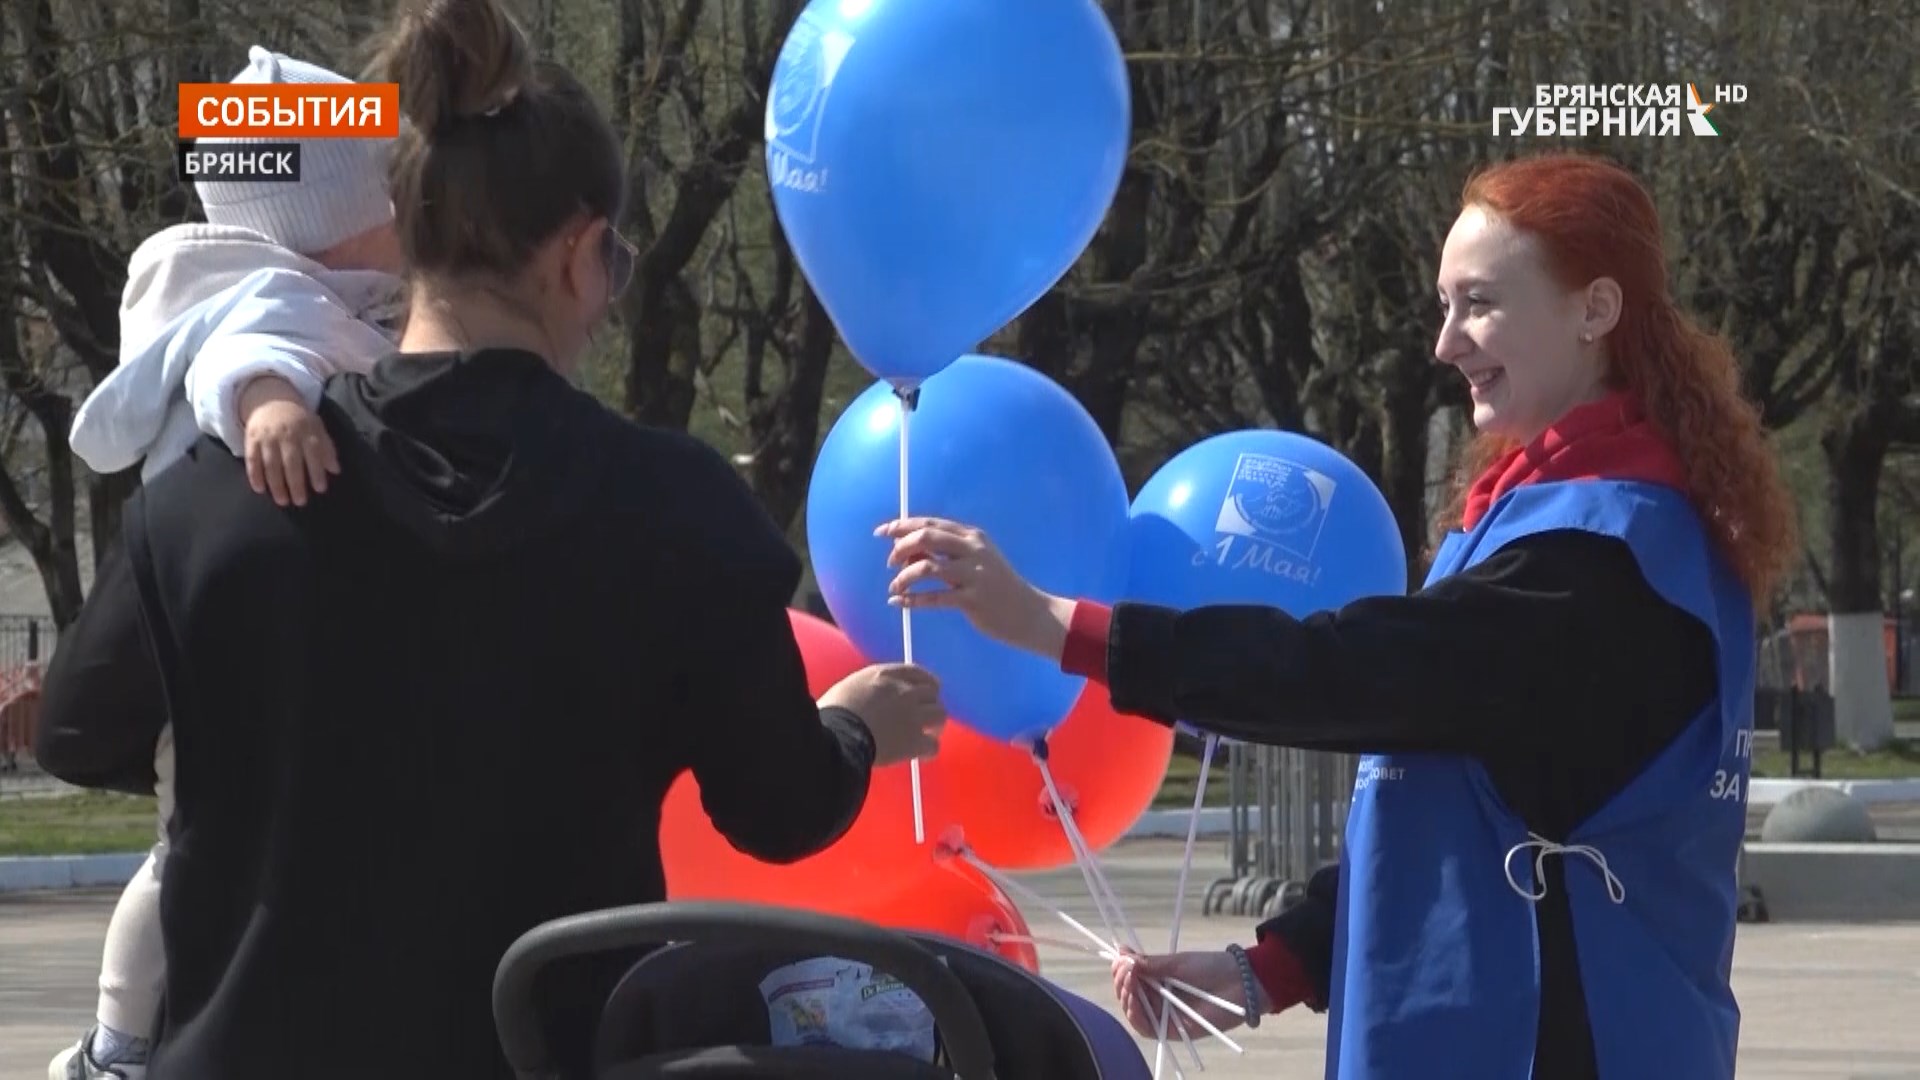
(343, 182)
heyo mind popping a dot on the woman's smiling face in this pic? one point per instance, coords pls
(1530, 349)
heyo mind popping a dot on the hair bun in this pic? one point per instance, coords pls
(454, 59)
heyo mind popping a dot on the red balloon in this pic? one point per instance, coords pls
(1108, 766)
(876, 856)
(956, 900)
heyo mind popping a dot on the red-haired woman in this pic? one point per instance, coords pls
(1557, 726)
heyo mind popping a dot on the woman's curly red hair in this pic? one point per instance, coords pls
(1594, 219)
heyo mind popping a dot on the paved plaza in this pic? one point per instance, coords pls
(1833, 1002)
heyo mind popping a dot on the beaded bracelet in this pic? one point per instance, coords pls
(1247, 984)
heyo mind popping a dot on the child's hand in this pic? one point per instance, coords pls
(288, 448)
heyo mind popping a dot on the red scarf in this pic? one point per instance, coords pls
(1609, 439)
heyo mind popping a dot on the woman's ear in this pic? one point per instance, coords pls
(585, 270)
(1604, 299)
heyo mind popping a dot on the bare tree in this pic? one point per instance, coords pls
(783, 326)
(1190, 311)
(87, 118)
(689, 91)
(1863, 135)
(63, 274)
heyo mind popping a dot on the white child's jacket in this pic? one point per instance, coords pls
(208, 308)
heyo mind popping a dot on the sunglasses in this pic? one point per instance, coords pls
(619, 255)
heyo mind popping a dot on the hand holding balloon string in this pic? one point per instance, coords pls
(979, 582)
(926, 237)
(1021, 453)
(1123, 977)
(982, 584)
(1105, 898)
(953, 846)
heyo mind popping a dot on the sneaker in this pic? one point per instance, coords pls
(76, 1063)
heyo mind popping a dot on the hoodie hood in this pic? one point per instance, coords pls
(179, 267)
(140, 411)
(474, 454)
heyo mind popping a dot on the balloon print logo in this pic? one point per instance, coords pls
(796, 102)
(1276, 501)
(798, 82)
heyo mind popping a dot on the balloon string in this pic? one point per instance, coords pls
(1193, 832)
(1104, 895)
(907, 400)
(1089, 869)
(1180, 894)
(1050, 942)
(1107, 950)
(1037, 940)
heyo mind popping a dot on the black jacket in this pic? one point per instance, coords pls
(437, 706)
(1553, 661)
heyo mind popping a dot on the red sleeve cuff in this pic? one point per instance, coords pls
(1280, 974)
(1085, 653)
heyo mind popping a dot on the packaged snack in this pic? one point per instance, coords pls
(830, 1001)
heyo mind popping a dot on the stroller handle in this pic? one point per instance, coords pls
(963, 1031)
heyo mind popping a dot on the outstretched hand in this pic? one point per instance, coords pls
(979, 582)
(1217, 973)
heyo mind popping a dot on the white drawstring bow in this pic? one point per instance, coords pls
(1616, 891)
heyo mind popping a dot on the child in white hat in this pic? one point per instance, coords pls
(230, 329)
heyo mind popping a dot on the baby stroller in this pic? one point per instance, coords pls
(694, 1009)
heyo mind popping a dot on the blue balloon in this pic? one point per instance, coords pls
(937, 165)
(996, 444)
(1263, 517)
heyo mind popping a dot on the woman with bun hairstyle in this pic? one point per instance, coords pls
(1538, 873)
(443, 704)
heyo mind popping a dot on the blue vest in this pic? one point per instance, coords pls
(1436, 970)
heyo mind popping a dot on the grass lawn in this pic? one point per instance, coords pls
(1176, 791)
(100, 823)
(92, 823)
(95, 823)
(1897, 762)
(1894, 763)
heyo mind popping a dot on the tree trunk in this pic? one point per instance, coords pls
(1857, 663)
(50, 542)
(1050, 332)
(786, 425)
(664, 354)
(1404, 420)
(55, 183)
(664, 338)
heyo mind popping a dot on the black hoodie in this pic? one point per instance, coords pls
(438, 705)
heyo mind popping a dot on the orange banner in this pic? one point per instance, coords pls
(289, 110)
